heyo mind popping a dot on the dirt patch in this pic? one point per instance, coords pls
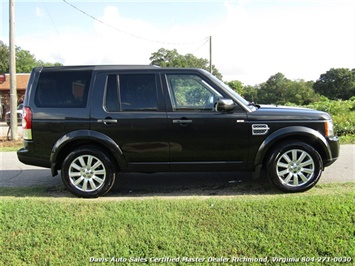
(5, 143)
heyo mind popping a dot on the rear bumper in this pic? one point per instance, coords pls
(26, 156)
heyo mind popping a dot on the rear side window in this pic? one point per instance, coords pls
(112, 94)
(64, 89)
(131, 92)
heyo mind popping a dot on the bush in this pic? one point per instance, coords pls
(342, 112)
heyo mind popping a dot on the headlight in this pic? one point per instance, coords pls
(329, 128)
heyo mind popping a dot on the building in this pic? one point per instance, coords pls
(21, 84)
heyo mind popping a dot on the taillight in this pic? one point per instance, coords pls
(27, 123)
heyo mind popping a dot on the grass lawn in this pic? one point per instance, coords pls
(42, 230)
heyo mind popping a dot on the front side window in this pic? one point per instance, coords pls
(190, 92)
(64, 89)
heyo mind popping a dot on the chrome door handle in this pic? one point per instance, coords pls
(182, 121)
(107, 121)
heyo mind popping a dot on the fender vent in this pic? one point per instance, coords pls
(260, 129)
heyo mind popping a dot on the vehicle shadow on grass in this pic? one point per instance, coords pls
(39, 183)
(190, 184)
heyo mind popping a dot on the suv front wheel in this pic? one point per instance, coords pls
(88, 172)
(294, 167)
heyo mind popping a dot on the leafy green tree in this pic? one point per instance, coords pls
(47, 64)
(274, 90)
(4, 58)
(164, 57)
(250, 93)
(336, 83)
(301, 92)
(25, 61)
(171, 58)
(236, 85)
(280, 90)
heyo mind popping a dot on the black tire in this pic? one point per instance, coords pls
(294, 167)
(88, 172)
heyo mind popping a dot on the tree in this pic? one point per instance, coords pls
(250, 93)
(274, 89)
(47, 64)
(280, 90)
(164, 57)
(171, 58)
(236, 85)
(336, 83)
(301, 92)
(25, 61)
(4, 58)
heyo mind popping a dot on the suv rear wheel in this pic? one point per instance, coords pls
(294, 167)
(88, 172)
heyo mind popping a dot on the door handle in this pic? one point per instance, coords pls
(107, 121)
(182, 122)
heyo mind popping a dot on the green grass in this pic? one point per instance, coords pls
(348, 139)
(37, 229)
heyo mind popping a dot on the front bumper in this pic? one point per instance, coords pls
(334, 147)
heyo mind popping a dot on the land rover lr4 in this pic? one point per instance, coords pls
(91, 122)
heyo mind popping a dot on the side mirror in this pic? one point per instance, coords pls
(225, 105)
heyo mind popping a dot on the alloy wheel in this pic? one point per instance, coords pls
(87, 173)
(295, 167)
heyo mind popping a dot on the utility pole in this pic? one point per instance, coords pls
(211, 54)
(13, 87)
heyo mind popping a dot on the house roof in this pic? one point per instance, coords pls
(21, 82)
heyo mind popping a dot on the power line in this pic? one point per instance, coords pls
(128, 33)
(206, 41)
(49, 14)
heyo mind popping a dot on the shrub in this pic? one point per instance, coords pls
(342, 112)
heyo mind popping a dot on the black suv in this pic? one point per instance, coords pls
(92, 121)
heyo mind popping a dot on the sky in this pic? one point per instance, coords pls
(251, 39)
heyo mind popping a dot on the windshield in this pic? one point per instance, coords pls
(233, 93)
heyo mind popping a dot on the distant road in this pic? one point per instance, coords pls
(15, 174)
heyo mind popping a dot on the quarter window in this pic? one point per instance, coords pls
(65, 89)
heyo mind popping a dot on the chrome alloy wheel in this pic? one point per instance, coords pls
(87, 173)
(295, 168)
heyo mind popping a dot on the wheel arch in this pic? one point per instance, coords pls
(293, 133)
(80, 138)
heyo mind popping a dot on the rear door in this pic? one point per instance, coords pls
(129, 109)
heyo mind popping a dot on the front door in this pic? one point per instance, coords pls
(200, 137)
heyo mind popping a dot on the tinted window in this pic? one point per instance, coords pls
(138, 92)
(131, 92)
(64, 89)
(191, 92)
(111, 98)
